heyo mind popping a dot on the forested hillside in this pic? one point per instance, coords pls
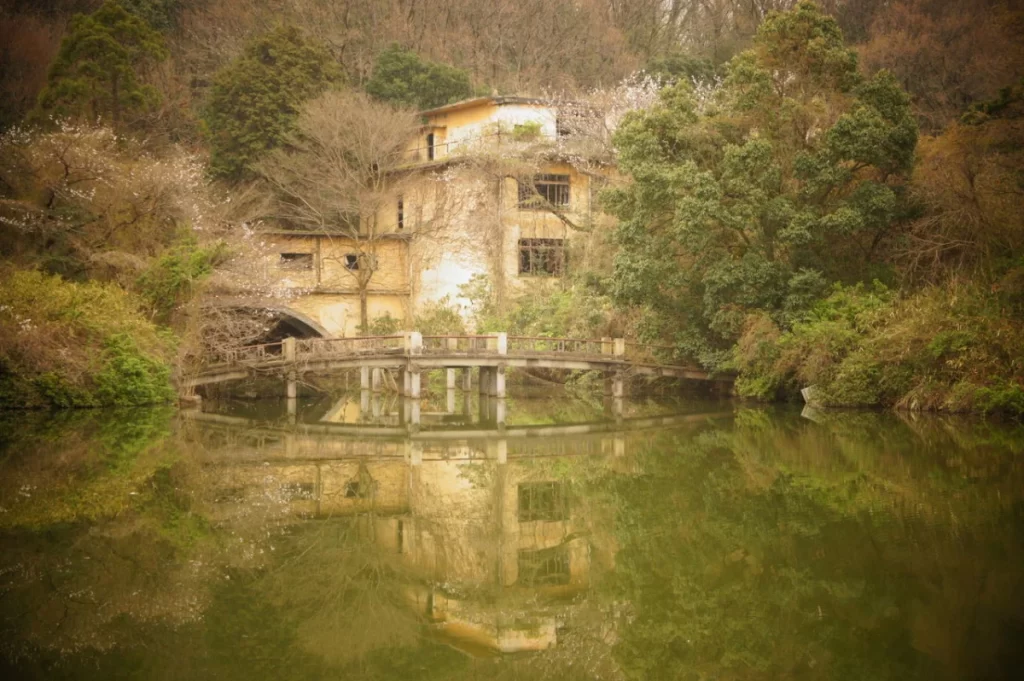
(822, 195)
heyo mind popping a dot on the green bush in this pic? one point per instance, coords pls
(65, 344)
(946, 348)
(171, 279)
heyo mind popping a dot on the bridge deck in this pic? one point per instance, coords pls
(416, 353)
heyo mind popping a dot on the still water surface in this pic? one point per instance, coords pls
(698, 540)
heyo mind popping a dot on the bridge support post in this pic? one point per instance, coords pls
(485, 381)
(364, 378)
(364, 404)
(449, 379)
(499, 382)
(288, 349)
(376, 379)
(467, 379)
(619, 347)
(499, 413)
(291, 386)
(449, 401)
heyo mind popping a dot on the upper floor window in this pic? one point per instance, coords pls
(296, 261)
(544, 191)
(430, 146)
(401, 214)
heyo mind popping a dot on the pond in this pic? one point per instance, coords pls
(698, 539)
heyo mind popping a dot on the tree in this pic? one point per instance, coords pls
(401, 77)
(948, 54)
(97, 73)
(789, 178)
(256, 98)
(339, 171)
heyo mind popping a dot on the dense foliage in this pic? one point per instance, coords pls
(788, 179)
(401, 77)
(64, 344)
(255, 99)
(96, 75)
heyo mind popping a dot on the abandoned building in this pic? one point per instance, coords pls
(488, 188)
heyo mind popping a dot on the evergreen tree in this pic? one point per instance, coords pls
(401, 77)
(96, 74)
(754, 200)
(256, 98)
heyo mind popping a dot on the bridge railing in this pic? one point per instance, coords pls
(344, 347)
(541, 345)
(469, 345)
(648, 353)
(443, 344)
(249, 353)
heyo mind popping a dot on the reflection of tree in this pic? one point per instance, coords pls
(750, 553)
(344, 593)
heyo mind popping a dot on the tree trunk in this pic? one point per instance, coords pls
(364, 315)
(115, 93)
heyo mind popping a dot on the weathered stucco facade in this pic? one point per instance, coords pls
(486, 190)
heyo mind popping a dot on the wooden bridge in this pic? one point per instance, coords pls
(413, 353)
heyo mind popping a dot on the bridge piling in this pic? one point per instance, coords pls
(467, 379)
(376, 380)
(364, 378)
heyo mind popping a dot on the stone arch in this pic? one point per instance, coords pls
(304, 325)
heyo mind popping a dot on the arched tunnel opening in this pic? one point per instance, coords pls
(285, 324)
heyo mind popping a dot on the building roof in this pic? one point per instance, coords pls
(480, 101)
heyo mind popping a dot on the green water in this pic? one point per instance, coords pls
(696, 540)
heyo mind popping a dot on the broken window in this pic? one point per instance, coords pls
(544, 567)
(297, 491)
(544, 257)
(296, 261)
(544, 191)
(543, 501)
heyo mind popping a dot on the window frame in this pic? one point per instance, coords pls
(543, 257)
(296, 261)
(545, 191)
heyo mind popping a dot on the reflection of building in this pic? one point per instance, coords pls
(490, 186)
(497, 542)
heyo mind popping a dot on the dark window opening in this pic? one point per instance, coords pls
(544, 567)
(401, 214)
(545, 257)
(354, 489)
(352, 261)
(430, 146)
(296, 261)
(544, 191)
(297, 491)
(543, 501)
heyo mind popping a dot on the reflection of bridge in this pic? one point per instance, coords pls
(413, 353)
(317, 431)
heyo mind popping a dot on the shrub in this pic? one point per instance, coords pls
(65, 344)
